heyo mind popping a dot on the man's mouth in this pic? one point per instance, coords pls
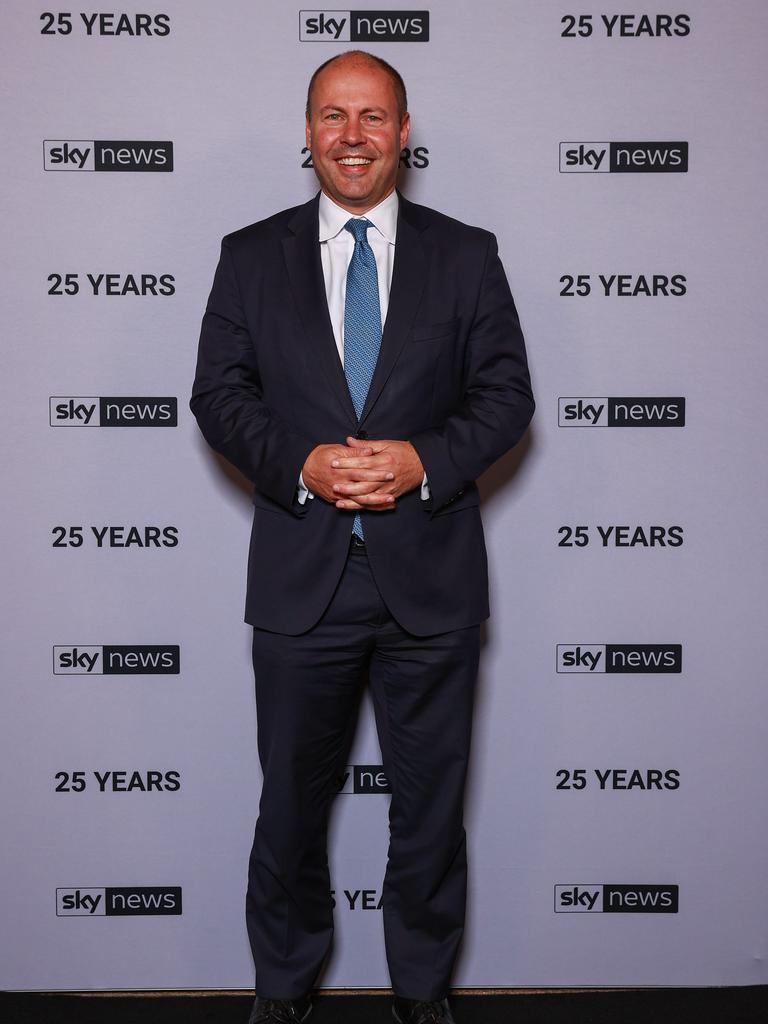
(354, 161)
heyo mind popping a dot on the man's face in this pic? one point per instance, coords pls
(355, 134)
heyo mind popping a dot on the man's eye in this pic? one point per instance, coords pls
(333, 117)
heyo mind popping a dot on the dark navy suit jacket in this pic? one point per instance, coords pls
(451, 378)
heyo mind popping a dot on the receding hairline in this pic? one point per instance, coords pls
(361, 58)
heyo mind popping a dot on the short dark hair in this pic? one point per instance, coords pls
(363, 56)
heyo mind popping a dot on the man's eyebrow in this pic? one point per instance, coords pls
(365, 110)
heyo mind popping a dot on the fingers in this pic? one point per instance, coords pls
(374, 502)
(355, 487)
(375, 446)
(369, 462)
(361, 449)
(374, 475)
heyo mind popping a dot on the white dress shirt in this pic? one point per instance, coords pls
(336, 248)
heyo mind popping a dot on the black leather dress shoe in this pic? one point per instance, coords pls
(412, 1011)
(280, 1011)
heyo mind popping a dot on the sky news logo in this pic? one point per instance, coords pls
(619, 658)
(364, 26)
(144, 411)
(116, 660)
(616, 899)
(124, 901)
(621, 412)
(364, 779)
(623, 157)
(92, 155)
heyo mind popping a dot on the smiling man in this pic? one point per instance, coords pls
(361, 362)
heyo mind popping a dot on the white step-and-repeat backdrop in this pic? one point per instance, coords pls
(618, 793)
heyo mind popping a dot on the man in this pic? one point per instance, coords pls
(362, 363)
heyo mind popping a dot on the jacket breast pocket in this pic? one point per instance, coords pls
(435, 332)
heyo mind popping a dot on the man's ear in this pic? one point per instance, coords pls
(308, 134)
(405, 127)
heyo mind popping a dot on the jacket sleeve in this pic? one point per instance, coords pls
(227, 396)
(497, 403)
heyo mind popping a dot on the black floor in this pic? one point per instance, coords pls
(639, 1006)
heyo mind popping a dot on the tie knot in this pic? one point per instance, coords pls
(358, 228)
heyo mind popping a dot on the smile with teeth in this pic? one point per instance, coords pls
(354, 161)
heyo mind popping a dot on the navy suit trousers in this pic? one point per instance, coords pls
(307, 694)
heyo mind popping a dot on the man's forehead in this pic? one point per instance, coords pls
(353, 80)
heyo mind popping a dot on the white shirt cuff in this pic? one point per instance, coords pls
(303, 491)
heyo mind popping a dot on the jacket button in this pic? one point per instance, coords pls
(361, 435)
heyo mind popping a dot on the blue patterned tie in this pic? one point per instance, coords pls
(362, 323)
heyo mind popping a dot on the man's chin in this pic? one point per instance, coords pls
(361, 196)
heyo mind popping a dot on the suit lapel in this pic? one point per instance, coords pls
(305, 271)
(408, 277)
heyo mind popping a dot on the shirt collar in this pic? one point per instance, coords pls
(383, 217)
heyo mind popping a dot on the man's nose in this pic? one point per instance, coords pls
(353, 133)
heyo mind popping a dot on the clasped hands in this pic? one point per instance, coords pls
(363, 474)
